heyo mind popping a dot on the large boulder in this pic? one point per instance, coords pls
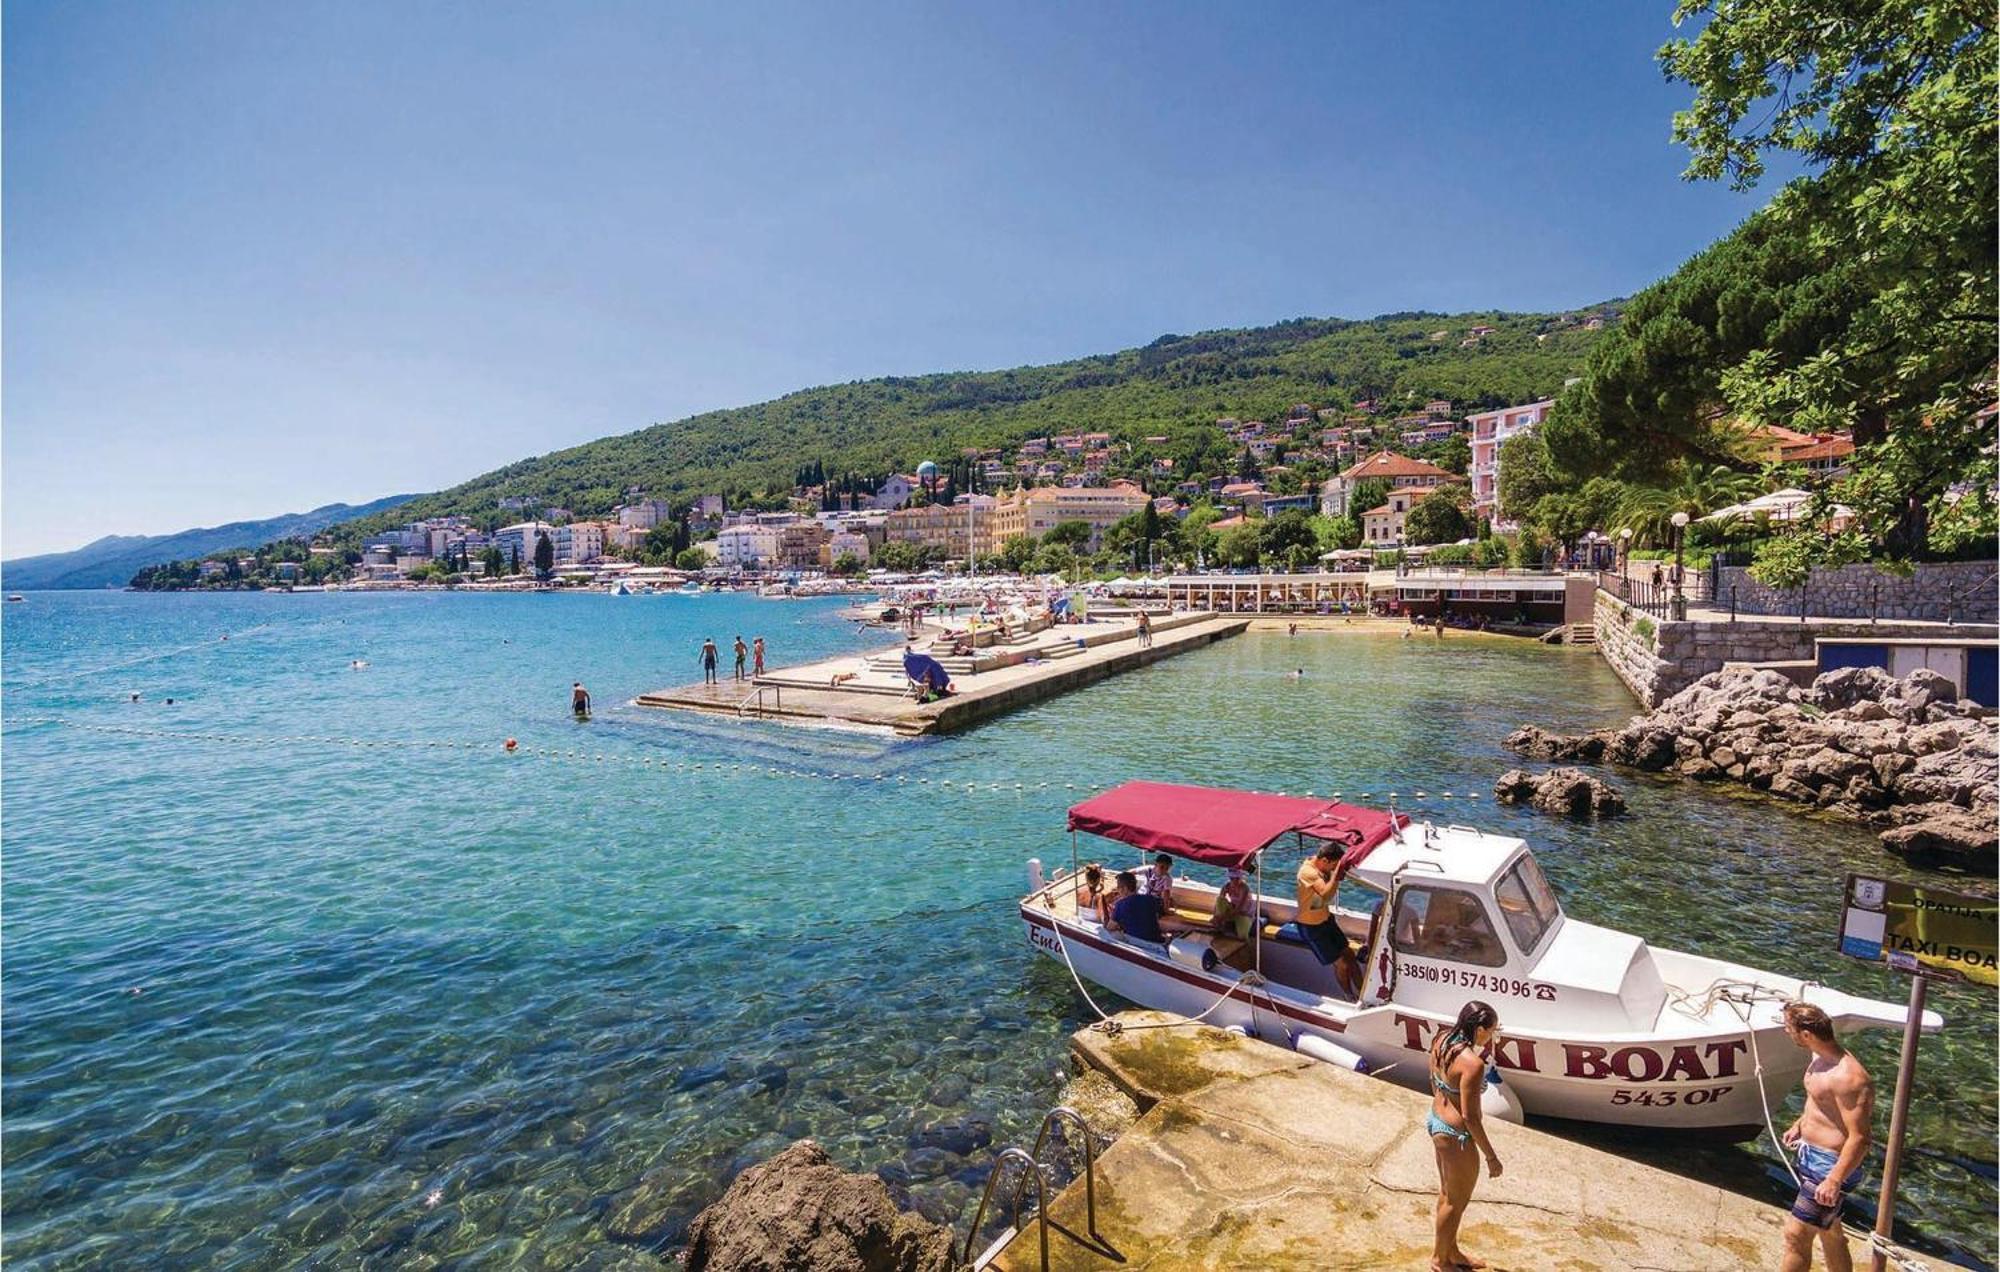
(1844, 687)
(1539, 744)
(799, 1210)
(1562, 790)
(1947, 834)
(1643, 745)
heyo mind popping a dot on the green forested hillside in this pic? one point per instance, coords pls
(1176, 386)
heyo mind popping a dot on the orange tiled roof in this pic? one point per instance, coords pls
(1389, 464)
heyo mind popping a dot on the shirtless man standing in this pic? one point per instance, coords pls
(1319, 886)
(1830, 1138)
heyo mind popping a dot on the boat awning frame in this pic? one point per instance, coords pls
(1222, 827)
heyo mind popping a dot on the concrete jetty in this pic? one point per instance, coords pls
(1001, 674)
(1248, 1155)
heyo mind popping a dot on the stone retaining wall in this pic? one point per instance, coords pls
(1657, 659)
(1950, 591)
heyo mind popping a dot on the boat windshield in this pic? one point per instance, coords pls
(1528, 903)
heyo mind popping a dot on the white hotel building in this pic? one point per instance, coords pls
(1489, 429)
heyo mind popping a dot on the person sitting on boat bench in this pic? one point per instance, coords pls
(1234, 910)
(1140, 915)
(1319, 884)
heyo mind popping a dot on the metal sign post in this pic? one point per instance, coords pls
(1892, 1156)
(1926, 932)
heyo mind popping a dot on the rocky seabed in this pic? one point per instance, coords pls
(1907, 755)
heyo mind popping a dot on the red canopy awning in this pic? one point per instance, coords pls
(1223, 827)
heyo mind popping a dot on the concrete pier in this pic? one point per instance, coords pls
(1248, 1155)
(871, 689)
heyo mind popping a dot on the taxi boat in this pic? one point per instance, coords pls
(1595, 1024)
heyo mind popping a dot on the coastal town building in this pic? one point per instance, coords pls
(799, 545)
(579, 542)
(1397, 470)
(518, 540)
(1490, 429)
(895, 491)
(645, 514)
(1038, 510)
(746, 546)
(842, 543)
(1382, 527)
(970, 523)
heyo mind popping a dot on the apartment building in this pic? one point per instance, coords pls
(1489, 430)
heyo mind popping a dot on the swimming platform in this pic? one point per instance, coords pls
(871, 689)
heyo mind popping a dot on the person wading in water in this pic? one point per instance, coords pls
(1458, 1134)
(579, 700)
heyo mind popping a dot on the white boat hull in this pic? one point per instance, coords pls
(1703, 1082)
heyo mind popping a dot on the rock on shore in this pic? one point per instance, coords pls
(799, 1210)
(1905, 754)
(1560, 790)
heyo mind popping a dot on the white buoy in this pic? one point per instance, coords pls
(1497, 1100)
(1333, 1053)
(1034, 874)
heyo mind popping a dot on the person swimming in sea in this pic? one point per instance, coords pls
(579, 700)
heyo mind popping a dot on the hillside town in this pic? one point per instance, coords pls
(1348, 483)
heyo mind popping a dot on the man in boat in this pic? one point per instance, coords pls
(1140, 914)
(1830, 1139)
(1319, 884)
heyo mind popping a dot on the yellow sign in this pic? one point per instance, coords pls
(1914, 927)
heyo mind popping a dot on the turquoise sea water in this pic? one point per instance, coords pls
(396, 1004)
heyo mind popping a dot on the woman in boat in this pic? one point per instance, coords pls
(1458, 1079)
(1090, 892)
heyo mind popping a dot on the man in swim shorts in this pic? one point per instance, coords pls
(1830, 1139)
(579, 700)
(1319, 883)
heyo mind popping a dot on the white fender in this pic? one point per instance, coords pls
(1332, 1052)
(1497, 1100)
(1034, 874)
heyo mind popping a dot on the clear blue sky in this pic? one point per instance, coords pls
(260, 257)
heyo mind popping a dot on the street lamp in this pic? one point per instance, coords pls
(1625, 557)
(1680, 596)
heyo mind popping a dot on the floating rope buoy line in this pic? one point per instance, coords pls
(514, 748)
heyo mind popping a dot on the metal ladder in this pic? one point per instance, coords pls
(1032, 1167)
(757, 696)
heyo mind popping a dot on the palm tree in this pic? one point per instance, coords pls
(1696, 489)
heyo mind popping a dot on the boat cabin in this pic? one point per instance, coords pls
(1454, 913)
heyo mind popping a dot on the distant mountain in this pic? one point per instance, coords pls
(1174, 387)
(114, 559)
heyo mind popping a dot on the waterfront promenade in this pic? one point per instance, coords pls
(1251, 1155)
(871, 689)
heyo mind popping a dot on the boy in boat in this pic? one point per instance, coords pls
(1830, 1138)
(1160, 881)
(1140, 914)
(1319, 883)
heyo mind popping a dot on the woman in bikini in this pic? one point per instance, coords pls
(1091, 894)
(1458, 1078)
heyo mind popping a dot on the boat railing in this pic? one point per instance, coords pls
(757, 696)
(1033, 1169)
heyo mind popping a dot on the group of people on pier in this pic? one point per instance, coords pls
(754, 651)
